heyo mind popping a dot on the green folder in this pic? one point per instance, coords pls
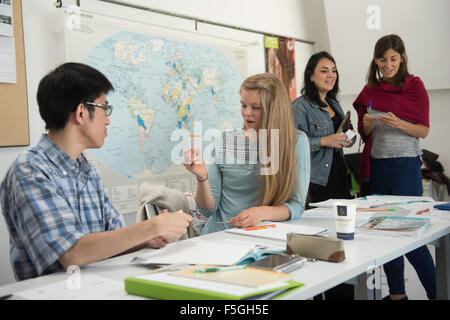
(165, 291)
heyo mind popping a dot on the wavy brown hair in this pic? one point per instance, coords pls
(277, 187)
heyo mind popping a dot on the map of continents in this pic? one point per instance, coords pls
(161, 85)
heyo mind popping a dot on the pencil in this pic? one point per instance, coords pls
(363, 210)
(260, 227)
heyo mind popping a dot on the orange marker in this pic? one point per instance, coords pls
(422, 211)
(260, 227)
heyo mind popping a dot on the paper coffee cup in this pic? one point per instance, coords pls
(344, 213)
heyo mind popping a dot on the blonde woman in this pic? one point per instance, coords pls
(261, 172)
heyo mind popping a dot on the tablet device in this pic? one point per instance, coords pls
(279, 262)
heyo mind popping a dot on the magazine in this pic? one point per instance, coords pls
(394, 226)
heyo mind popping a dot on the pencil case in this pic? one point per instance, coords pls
(315, 247)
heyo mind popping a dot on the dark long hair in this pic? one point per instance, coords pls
(309, 88)
(394, 42)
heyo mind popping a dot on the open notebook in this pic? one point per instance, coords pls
(280, 231)
(197, 251)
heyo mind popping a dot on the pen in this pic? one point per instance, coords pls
(6, 296)
(370, 104)
(224, 221)
(260, 227)
(216, 269)
(422, 211)
(363, 210)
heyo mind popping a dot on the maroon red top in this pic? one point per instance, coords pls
(409, 102)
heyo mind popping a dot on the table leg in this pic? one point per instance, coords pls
(369, 284)
(443, 268)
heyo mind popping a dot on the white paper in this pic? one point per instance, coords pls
(433, 214)
(91, 287)
(7, 60)
(6, 20)
(279, 232)
(350, 134)
(327, 213)
(360, 203)
(196, 251)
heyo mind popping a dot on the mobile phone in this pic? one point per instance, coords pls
(279, 262)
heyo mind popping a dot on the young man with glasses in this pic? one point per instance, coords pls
(53, 200)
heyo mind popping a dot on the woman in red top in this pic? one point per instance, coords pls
(393, 113)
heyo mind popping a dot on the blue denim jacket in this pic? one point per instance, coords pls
(316, 123)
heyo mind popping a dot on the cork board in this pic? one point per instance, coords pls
(14, 129)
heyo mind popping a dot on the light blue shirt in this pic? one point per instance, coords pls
(49, 202)
(237, 186)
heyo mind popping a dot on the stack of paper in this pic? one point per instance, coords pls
(280, 231)
(229, 285)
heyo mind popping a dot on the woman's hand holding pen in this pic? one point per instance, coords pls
(368, 122)
(193, 162)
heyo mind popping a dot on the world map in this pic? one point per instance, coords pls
(161, 85)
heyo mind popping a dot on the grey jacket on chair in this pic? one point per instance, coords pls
(161, 197)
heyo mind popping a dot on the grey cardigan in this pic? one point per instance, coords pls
(316, 123)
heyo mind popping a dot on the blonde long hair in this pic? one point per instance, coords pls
(277, 114)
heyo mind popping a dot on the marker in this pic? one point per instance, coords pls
(364, 210)
(216, 269)
(422, 211)
(260, 227)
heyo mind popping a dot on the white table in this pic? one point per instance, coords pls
(363, 256)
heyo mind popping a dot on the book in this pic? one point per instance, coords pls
(199, 251)
(250, 277)
(345, 123)
(171, 287)
(394, 226)
(280, 231)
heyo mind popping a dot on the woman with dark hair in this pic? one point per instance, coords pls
(393, 113)
(318, 113)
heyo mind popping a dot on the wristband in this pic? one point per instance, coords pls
(203, 180)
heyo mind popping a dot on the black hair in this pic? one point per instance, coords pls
(309, 88)
(63, 89)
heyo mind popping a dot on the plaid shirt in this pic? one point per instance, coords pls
(49, 202)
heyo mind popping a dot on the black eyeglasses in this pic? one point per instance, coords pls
(108, 108)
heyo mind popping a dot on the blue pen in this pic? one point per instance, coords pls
(370, 104)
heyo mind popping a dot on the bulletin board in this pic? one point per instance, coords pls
(14, 128)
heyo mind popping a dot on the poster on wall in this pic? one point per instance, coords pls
(165, 81)
(280, 61)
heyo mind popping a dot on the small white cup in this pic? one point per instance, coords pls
(344, 214)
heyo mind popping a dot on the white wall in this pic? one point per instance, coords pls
(423, 26)
(44, 50)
